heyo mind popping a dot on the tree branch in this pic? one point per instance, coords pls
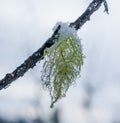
(31, 61)
(94, 6)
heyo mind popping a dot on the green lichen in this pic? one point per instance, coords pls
(61, 67)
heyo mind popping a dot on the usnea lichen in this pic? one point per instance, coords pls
(62, 65)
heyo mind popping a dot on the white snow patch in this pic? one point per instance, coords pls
(66, 31)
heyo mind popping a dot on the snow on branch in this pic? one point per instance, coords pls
(31, 61)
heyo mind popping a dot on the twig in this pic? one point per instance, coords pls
(94, 6)
(31, 61)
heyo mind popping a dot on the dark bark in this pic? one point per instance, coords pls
(31, 61)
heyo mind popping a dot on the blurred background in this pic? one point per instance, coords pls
(95, 97)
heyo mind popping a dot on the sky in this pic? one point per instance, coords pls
(25, 25)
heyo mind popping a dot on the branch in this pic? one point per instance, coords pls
(31, 61)
(94, 6)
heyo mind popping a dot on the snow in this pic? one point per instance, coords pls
(66, 31)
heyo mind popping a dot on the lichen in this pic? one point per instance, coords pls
(62, 66)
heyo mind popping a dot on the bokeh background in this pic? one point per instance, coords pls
(95, 97)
